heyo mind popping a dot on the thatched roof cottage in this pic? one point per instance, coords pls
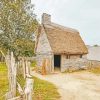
(61, 46)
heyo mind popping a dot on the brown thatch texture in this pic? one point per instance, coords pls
(65, 40)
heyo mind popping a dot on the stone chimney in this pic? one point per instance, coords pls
(46, 18)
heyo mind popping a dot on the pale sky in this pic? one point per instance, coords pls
(83, 15)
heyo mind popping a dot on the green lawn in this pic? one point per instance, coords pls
(3, 80)
(21, 80)
(33, 64)
(44, 90)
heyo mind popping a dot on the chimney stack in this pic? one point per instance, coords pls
(46, 18)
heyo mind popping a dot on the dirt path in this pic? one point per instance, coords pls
(75, 86)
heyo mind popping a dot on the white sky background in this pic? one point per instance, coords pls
(83, 15)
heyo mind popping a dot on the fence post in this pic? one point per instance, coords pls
(27, 67)
(13, 75)
(24, 68)
(29, 82)
(10, 61)
(28, 89)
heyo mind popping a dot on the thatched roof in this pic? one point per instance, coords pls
(64, 40)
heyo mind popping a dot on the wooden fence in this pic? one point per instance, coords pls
(15, 68)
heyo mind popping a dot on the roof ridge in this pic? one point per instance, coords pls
(54, 25)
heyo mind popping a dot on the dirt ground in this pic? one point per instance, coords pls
(75, 86)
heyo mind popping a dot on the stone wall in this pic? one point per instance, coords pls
(74, 56)
(49, 62)
(44, 52)
(94, 63)
(74, 63)
(43, 45)
(77, 64)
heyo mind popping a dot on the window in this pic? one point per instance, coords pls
(67, 56)
(80, 56)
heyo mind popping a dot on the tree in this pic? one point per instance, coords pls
(17, 26)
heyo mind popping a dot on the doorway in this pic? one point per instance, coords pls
(57, 62)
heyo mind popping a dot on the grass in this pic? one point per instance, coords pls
(95, 70)
(3, 80)
(33, 64)
(44, 90)
(21, 80)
